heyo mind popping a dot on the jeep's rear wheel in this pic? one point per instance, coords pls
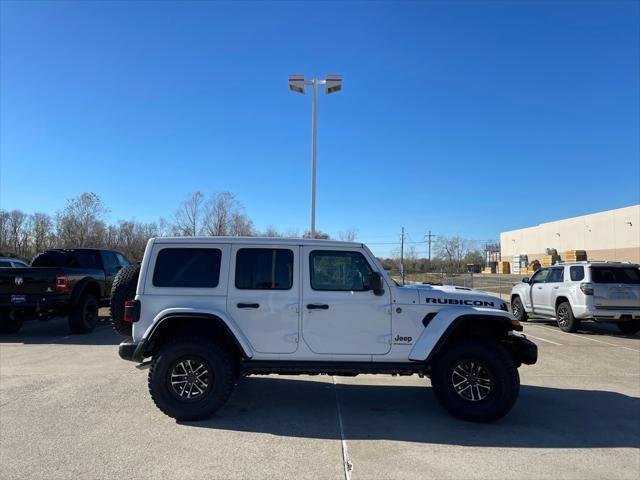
(190, 378)
(518, 310)
(476, 380)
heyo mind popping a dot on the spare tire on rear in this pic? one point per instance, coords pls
(123, 289)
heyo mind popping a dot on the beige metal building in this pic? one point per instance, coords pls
(610, 235)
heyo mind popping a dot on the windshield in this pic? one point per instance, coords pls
(630, 275)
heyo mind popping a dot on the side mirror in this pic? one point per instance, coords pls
(376, 283)
(525, 279)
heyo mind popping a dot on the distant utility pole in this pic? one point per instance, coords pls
(402, 255)
(429, 237)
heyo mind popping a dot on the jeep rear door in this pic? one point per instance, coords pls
(264, 295)
(340, 313)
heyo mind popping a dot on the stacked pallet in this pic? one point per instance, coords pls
(488, 270)
(548, 260)
(504, 267)
(575, 256)
(519, 262)
(525, 271)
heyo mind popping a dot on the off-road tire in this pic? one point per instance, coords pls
(84, 314)
(216, 359)
(10, 323)
(501, 368)
(518, 310)
(629, 328)
(565, 319)
(123, 289)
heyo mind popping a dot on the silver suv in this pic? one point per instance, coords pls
(571, 292)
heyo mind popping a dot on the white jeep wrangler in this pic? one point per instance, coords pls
(207, 310)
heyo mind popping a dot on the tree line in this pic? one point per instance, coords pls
(82, 223)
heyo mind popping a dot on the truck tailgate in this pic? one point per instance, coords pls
(27, 281)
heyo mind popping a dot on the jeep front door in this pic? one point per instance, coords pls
(340, 313)
(264, 295)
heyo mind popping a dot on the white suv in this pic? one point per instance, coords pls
(571, 292)
(207, 310)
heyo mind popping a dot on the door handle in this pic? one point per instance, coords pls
(248, 305)
(539, 288)
(555, 288)
(318, 306)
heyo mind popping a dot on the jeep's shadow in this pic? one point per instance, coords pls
(542, 417)
(56, 331)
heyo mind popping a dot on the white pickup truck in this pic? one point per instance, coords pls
(571, 292)
(207, 310)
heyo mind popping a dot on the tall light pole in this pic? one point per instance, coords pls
(332, 84)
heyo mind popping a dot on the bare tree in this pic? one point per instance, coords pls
(349, 235)
(41, 231)
(81, 222)
(224, 216)
(189, 218)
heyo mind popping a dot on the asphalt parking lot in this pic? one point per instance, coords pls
(70, 408)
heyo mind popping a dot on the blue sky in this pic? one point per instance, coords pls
(465, 118)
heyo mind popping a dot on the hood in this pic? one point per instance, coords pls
(450, 295)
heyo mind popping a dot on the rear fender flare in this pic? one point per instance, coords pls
(445, 323)
(214, 315)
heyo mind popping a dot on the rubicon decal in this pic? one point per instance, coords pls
(456, 301)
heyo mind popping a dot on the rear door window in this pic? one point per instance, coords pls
(187, 268)
(5, 264)
(626, 275)
(264, 269)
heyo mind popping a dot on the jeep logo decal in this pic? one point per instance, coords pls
(399, 340)
(455, 301)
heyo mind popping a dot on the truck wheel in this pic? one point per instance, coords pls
(10, 322)
(190, 378)
(518, 310)
(84, 315)
(123, 289)
(476, 380)
(630, 327)
(564, 316)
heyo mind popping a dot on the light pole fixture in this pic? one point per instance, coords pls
(332, 84)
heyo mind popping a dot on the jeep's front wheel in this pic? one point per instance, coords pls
(476, 380)
(190, 379)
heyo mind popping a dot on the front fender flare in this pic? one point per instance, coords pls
(445, 322)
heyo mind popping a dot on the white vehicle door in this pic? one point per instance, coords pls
(536, 289)
(550, 290)
(264, 295)
(340, 313)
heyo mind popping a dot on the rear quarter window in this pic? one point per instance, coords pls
(576, 273)
(187, 268)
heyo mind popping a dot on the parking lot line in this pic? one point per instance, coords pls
(587, 338)
(346, 463)
(544, 340)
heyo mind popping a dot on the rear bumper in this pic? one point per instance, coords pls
(131, 351)
(522, 349)
(606, 314)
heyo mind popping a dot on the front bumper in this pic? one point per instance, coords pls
(522, 349)
(131, 351)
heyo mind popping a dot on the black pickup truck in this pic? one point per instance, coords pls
(61, 282)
